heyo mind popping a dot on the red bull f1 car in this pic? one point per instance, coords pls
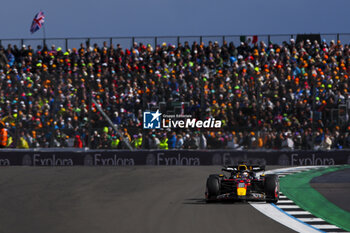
(243, 184)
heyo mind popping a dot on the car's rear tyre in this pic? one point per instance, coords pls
(213, 188)
(272, 188)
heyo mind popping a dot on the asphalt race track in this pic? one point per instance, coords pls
(335, 186)
(119, 199)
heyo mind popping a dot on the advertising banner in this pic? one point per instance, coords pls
(73, 157)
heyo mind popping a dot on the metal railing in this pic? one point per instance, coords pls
(126, 42)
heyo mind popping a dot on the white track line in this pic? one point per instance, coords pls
(277, 215)
(284, 201)
(326, 227)
(292, 169)
(311, 219)
(287, 206)
(303, 212)
(337, 231)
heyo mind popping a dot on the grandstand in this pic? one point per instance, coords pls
(269, 95)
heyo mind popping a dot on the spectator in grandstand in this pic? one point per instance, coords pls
(179, 142)
(347, 140)
(22, 143)
(261, 91)
(232, 142)
(115, 142)
(327, 143)
(172, 140)
(287, 142)
(163, 144)
(202, 141)
(78, 143)
(137, 141)
(122, 144)
(3, 59)
(95, 141)
(3, 136)
(105, 141)
(154, 142)
(191, 142)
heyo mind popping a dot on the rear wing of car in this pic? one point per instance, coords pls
(253, 168)
(257, 168)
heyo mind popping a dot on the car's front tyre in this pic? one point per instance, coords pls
(212, 188)
(272, 188)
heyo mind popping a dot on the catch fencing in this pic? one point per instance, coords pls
(126, 42)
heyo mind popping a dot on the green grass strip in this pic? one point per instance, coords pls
(297, 187)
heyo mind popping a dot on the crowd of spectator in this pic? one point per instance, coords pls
(264, 94)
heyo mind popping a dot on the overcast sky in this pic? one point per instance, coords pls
(77, 18)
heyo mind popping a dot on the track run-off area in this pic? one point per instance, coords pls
(302, 207)
(121, 199)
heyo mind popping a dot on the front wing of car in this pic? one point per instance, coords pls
(248, 197)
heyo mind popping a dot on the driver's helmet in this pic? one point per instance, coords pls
(242, 167)
(245, 174)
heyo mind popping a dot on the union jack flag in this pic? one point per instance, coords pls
(38, 22)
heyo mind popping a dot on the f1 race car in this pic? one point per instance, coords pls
(243, 185)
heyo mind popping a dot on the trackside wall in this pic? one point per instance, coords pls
(81, 157)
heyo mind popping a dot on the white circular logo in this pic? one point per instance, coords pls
(283, 160)
(88, 160)
(151, 159)
(217, 159)
(27, 160)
